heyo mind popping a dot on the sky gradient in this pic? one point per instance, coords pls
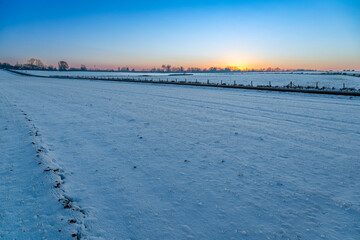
(314, 34)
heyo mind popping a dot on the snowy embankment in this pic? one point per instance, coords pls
(170, 162)
(308, 79)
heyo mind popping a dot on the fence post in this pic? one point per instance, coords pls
(234, 83)
(208, 81)
(343, 85)
(269, 83)
(251, 84)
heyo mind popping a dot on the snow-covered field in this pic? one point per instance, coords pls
(143, 161)
(246, 78)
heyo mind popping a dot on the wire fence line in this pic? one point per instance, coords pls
(290, 87)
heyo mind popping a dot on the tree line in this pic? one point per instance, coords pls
(37, 64)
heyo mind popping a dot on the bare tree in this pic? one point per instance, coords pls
(163, 67)
(35, 63)
(168, 68)
(83, 68)
(63, 66)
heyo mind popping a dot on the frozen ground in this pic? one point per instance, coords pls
(276, 79)
(174, 162)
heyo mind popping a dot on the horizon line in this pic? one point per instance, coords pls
(162, 69)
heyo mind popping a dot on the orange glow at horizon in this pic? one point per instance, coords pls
(232, 65)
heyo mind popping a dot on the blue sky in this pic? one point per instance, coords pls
(143, 34)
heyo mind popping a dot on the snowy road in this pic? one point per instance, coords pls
(170, 162)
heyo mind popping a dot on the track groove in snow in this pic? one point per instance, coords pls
(29, 208)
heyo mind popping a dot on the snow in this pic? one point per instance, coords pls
(180, 162)
(29, 208)
(257, 78)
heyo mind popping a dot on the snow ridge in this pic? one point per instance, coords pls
(45, 158)
(29, 208)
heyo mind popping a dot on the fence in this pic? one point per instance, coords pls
(287, 88)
